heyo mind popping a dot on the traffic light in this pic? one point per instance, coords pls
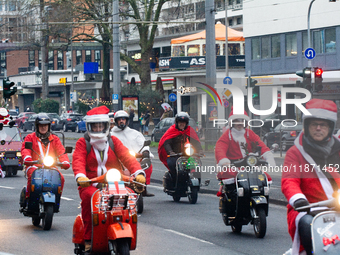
(306, 74)
(318, 79)
(7, 91)
(252, 83)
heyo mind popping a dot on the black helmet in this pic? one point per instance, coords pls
(182, 116)
(42, 119)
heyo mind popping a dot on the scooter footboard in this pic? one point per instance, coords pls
(326, 233)
(119, 230)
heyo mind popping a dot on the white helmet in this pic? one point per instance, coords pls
(121, 114)
(97, 123)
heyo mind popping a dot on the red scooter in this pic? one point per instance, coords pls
(114, 217)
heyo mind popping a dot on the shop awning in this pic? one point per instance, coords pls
(220, 30)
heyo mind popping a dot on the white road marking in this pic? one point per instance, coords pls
(68, 199)
(191, 237)
(5, 187)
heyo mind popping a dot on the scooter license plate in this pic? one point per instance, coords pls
(326, 233)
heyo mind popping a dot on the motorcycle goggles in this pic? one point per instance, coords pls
(97, 127)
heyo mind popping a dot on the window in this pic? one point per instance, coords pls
(88, 56)
(291, 45)
(239, 21)
(79, 59)
(330, 40)
(50, 60)
(276, 46)
(97, 57)
(230, 22)
(2, 63)
(178, 51)
(234, 49)
(60, 60)
(31, 58)
(318, 41)
(193, 50)
(265, 47)
(255, 48)
(39, 59)
(304, 42)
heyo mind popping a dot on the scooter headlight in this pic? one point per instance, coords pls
(48, 161)
(113, 175)
(189, 150)
(133, 153)
(252, 161)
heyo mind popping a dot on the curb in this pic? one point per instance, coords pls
(213, 192)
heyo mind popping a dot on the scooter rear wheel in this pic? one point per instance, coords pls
(260, 224)
(176, 198)
(47, 220)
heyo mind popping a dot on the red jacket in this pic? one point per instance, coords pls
(91, 165)
(54, 147)
(300, 180)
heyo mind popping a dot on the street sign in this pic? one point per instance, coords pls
(172, 97)
(115, 97)
(310, 53)
(73, 97)
(114, 101)
(227, 80)
(226, 103)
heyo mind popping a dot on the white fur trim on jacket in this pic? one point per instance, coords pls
(138, 172)
(224, 161)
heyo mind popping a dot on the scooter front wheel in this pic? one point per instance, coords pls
(176, 198)
(121, 247)
(47, 219)
(193, 195)
(260, 224)
(140, 204)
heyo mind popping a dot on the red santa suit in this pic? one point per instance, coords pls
(229, 147)
(171, 133)
(54, 148)
(96, 163)
(302, 178)
(4, 116)
(134, 141)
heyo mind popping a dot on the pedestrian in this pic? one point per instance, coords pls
(142, 122)
(147, 120)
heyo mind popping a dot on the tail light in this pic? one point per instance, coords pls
(68, 119)
(293, 133)
(53, 122)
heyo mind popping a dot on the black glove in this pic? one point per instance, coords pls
(145, 154)
(300, 202)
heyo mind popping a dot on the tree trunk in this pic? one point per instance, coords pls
(105, 91)
(145, 75)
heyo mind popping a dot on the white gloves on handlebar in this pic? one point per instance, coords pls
(224, 162)
(269, 157)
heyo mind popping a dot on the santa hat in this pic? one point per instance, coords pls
(4, 116)
(99, 114)
(321, 109)
(233, 116)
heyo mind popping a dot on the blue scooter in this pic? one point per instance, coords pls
(45, 194)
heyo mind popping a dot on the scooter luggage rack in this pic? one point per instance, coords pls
(118, 201)
(183, 160)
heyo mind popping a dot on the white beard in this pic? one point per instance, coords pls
(238, 136)
(99, 143)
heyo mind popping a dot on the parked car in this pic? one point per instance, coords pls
(56, 124)
(13, 113)
(22, 118)
(289, 133)
(30, 123)
(10, 150)
(69, 121)
(269, 122)
(164, 125)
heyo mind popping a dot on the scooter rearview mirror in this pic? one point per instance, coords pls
(28, 145)
(147, 142)
(68, 149)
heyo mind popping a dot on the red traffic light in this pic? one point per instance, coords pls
(318, 72)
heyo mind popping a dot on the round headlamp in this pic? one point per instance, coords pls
(252, 161)
(48, 161)
(113, 175)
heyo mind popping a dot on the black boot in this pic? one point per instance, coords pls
(147, 194)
